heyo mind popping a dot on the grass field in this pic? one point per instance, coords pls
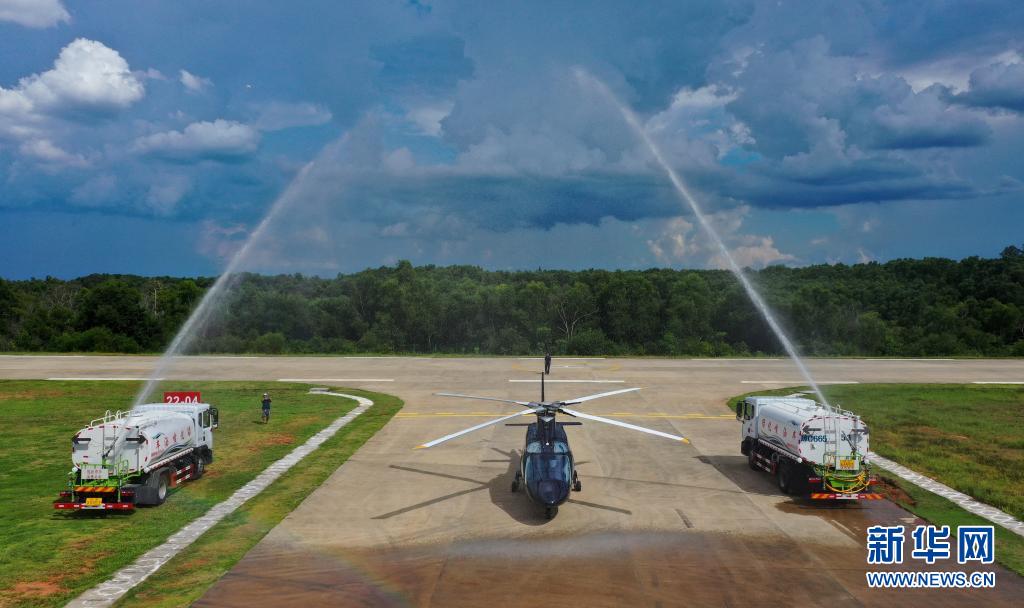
(186, 577)
(48, 557)
(969, 437)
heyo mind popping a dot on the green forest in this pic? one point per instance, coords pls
(927, 307)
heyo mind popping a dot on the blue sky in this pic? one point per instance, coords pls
(152, 137)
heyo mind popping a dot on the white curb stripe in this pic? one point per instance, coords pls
(106, 593)
(980, 509)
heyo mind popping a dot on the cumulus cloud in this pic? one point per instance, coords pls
(87, 75)
(46, 151)
(166, 191)
(87, 79)
(427, 117)
(96, 191)
(753, 252)
(673, 245)
(34, 13)
(999, 85)
(192, 82)
(220, 139)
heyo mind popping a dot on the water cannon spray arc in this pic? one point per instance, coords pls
(588, 80)
(205, 309)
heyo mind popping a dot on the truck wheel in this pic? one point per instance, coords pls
(752, 458)
(198, 466)
(157, 486)
(782, 474)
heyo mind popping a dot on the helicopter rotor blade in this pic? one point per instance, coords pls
(625, 425)
(599, 395)
(527, 403)
(430, 444)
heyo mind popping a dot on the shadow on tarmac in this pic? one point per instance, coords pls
(516, 504)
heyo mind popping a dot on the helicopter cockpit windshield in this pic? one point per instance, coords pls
(556, 447)
(547, 460)
(548, 466)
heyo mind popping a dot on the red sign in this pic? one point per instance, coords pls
(183, 397)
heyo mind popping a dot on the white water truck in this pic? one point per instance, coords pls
(813, 450)
(133, 458)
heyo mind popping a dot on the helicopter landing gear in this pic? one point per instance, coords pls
(577, 486)
(550, 512)
(515, 482)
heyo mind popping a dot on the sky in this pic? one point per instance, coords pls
(139, 136)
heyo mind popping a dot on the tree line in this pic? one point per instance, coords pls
(907, 307)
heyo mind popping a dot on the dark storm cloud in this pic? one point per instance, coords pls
(997, 86)
(502, 203)
(480, 129)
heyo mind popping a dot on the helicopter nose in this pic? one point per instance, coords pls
(552, 492)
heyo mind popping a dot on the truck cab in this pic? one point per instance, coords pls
(205, 418)
(746, 413)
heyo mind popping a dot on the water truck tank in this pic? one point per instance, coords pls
(811, 432)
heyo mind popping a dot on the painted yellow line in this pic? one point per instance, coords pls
(619, 414)
(451, 415)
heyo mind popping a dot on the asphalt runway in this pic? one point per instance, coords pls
(658, 523)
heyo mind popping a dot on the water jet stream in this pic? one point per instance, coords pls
(202, 312)
(586, 78)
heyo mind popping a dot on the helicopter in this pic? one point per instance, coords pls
(546, 468)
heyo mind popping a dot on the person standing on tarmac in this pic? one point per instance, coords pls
(266, 408)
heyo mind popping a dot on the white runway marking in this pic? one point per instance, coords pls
(997, 382)
(106, 593)
(574, 381)
(330, 380)
(798, 382)
(215, 357)
(898, 359)
(44, 356)
(384, 357)
(563, 358)
(755, 359)
(91, 378)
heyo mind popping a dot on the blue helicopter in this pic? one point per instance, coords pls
(546, 468)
